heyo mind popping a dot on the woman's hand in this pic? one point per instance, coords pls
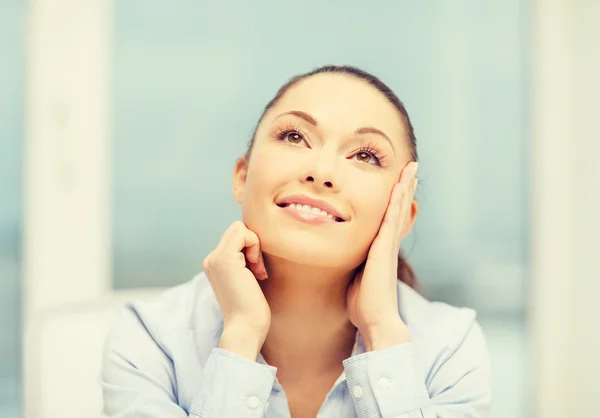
(232, 270)
(372, 298)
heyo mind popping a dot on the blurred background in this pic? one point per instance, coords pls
(120, 123)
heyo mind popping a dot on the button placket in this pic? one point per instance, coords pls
(357, 391)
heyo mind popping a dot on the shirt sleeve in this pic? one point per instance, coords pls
(233, 386)
(390, 383)
(138, 379)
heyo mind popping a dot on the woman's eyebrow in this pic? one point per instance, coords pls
(313, 121)
(370, 130)
(300, 114)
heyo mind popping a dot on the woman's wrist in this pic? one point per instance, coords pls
(241, 342)
(385, 335)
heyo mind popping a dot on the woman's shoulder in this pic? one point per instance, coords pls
(158, 340)
(181, 308)
(435, 324)
(450, 347)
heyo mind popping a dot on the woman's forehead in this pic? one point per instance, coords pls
(337, 98)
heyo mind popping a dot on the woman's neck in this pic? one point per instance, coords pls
(310, 328)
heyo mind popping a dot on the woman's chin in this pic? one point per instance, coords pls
(323, 255)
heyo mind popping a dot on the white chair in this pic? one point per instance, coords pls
(62, 356)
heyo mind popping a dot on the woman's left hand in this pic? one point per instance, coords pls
(372, 298)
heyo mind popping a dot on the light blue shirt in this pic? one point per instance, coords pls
(162, 360)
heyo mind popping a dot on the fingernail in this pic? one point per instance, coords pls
(265, 273)
(414, 168)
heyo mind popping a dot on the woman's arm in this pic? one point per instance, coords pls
(139, 381)
(390, 383)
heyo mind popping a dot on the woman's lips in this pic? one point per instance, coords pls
(311, 206)
(308, 215)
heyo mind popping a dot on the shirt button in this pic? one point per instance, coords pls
(357, 391)
(252, 402)
(384, 383)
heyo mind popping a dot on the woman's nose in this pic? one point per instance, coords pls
(327, 183)
(323, 170)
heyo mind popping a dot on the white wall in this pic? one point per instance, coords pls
(566, 205)
(66, 242)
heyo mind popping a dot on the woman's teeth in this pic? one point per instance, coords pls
(311, 211)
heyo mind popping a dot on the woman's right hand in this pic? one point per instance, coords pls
(232, 270)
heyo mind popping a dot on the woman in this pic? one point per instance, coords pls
(299, 311)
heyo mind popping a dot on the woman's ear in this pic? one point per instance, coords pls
(414, 211)
(239, 178)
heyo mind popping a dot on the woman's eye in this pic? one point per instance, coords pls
(292, 137)
(367, 157)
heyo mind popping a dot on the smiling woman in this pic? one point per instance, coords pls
(365, 144)
(299, 310)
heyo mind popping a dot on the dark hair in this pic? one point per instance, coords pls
(405, 272)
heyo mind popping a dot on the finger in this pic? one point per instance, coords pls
(411, 198)
(408, 197)
(261, 262)
(408, 175)
(238, 240)
(251, 246)
(256, 267)
(241, 239)
(393, 216)
(254, 254)
(233, 229)
(387, 231)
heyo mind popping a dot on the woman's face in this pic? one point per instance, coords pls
(321, 172)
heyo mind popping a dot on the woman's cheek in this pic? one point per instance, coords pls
(273, 165)
(369, 220)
